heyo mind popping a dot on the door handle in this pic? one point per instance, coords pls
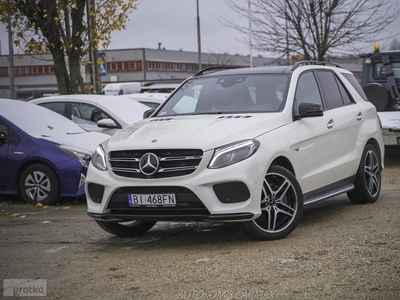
(330, 124)
(359, 116)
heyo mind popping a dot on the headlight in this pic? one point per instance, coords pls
(79, 154)
(233, 153)
(99, 159)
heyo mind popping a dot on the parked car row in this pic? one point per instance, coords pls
(43, 155)
(46, 144)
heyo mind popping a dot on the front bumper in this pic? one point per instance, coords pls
(111, 204)
(123, 217)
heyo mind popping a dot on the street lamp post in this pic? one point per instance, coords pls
(250, 45)
(11, 59)
(198, 35)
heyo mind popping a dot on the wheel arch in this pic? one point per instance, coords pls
(375, 143)
(284, 162)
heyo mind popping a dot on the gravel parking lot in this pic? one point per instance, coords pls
(339, 251)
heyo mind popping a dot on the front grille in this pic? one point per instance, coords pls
(186, 201)
(172, 163)
(231, 192)
(96, 192)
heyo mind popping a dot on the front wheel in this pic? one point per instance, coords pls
(39, 184)
(126, 229)
(368, 178)
(281, 206)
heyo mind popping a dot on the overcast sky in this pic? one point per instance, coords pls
(173, 24)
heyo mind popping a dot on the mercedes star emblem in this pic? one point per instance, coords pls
(149, 164)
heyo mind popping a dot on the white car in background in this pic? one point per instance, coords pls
(159, 88)
(152, 100)
(100, 113)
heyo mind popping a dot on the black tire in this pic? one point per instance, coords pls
(126, 229)
(39, 184)
(281, 206)
(368, 178)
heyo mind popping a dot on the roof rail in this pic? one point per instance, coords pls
(314, 62)
(213, 69)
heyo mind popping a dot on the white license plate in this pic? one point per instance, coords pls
(152, 200)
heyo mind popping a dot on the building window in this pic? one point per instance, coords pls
(3, 71)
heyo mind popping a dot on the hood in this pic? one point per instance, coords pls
(86, 141)
(194, 132)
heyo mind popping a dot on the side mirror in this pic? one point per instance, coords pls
(107, 123)
(148, 113)
(309, 110)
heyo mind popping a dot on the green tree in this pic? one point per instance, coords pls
(60, 27)
(314, 28)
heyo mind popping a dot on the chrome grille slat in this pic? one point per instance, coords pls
(180, 158)
(125, 159)
(131, 170)
(172, 162)
(177, 169)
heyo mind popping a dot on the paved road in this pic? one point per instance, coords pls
(339, 251)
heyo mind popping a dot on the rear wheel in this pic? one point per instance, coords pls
(126, 229)
(281, 206)
(368, 178)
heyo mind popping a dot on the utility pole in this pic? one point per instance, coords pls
(11, 60)
(95, 80)
(250, 45)
(90, 46)
(198, 35)
(287, 35)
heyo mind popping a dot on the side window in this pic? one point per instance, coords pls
(356, 85)
(307, 90)
(7, 136)
(330, 89)
(380, 73)
(345, 94)
(86, 114)
(58, 107)
(3, 134)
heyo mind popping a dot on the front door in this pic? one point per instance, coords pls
(4, 146)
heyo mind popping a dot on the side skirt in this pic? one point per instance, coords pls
(329, 191)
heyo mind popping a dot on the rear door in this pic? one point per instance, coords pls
(346, 118)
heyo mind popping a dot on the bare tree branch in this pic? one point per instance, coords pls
(313, 28)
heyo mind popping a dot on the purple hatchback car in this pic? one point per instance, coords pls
(43, 155)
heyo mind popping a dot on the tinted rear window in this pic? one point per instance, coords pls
(355, 84)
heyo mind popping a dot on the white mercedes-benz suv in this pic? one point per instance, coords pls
(251, 145)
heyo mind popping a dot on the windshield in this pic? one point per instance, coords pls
(228, 94)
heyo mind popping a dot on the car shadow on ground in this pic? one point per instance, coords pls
(208, 234)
